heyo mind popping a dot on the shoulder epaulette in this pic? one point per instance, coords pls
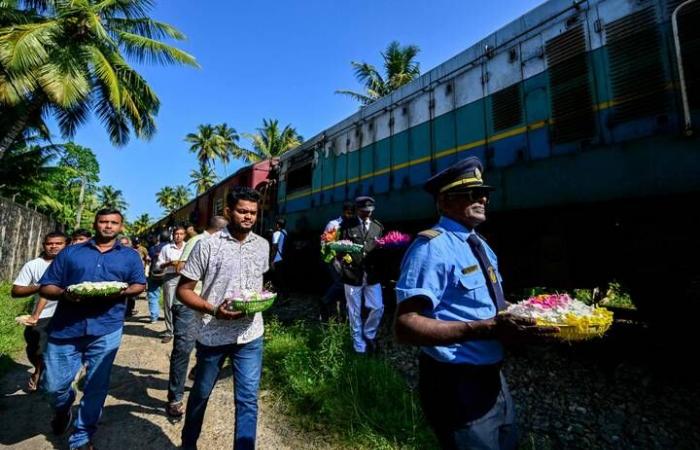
(430, 234)
(377, 222)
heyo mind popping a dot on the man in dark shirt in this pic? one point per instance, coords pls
(87, 330)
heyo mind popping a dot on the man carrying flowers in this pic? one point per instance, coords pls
(229, 263)
(360, 275)
(87, 329)
(449, 295)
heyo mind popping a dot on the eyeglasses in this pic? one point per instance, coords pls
(473, 195)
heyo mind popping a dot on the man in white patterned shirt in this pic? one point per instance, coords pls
(230, 261)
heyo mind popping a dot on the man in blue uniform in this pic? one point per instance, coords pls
(449, 295)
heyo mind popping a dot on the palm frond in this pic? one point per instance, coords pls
(362, 98)
(106, 75)
(24, 47)
(144, 26)
(148, 50)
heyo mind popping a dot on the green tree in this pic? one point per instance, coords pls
(206, 144)
(141, 224)
(70, 57)
(271, 142)
(165, 198)
(203, 179)
(110, 197)
(399, 66)
(83, 170)
(181, 196)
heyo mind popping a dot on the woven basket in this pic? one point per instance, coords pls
(574, 333)
(251, 306)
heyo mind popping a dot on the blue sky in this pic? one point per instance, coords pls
(276, 59)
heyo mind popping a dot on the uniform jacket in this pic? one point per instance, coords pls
(353, 230)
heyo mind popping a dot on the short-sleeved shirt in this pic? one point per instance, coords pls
(278, 239)
(445, 270)
(170, 252)
(84, 262)
(190, 245)
(154, 251)
(30, 275)
(227, 266)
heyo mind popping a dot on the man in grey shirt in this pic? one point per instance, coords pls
(229, 262)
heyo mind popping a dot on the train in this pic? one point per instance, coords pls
(584, 114)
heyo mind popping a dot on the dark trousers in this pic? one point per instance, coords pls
(333, 301)
(36, 338)
(279, 279)
(183, 343)
(130, 305)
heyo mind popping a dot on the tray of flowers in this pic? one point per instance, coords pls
(251, 302)
(96, 288)
(575, 320)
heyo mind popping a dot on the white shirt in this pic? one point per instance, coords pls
(227, 266)
(333, 224)
(168, 254)
(278, 238)
(30, 275)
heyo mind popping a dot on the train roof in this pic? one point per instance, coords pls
(529, 21)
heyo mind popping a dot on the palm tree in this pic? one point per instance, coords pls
(181, 196)
(203, 179)
(229, 139)
(165, 198)
(141, 224)
(69, 58)
(271, 142)
(206, 144)
(110, 197)
(400, 68)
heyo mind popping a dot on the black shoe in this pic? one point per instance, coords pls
(167, 338)
(61, 422)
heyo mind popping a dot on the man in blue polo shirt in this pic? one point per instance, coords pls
(449, 296)
(87, 330)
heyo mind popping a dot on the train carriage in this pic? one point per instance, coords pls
(579, 115)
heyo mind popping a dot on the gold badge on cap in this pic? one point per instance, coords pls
(477, 173)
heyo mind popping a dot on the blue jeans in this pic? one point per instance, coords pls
(183, 344)
(247, 364)
(153, 294)
(63, 359)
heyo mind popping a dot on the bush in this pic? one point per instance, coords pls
(363, 400)
(11, 334)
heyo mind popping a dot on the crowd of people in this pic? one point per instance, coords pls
(449, 297)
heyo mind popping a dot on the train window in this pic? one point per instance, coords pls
(299, 178)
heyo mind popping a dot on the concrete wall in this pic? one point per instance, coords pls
(21, 233)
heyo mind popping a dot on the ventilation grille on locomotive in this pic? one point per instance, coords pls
(507, 108)
(573, 110)
(637, 74)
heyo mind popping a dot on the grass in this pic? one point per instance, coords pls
(360, 399)
(11, 334)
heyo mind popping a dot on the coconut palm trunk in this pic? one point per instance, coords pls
(81, 201)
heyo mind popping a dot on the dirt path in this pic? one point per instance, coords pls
(133, 416)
